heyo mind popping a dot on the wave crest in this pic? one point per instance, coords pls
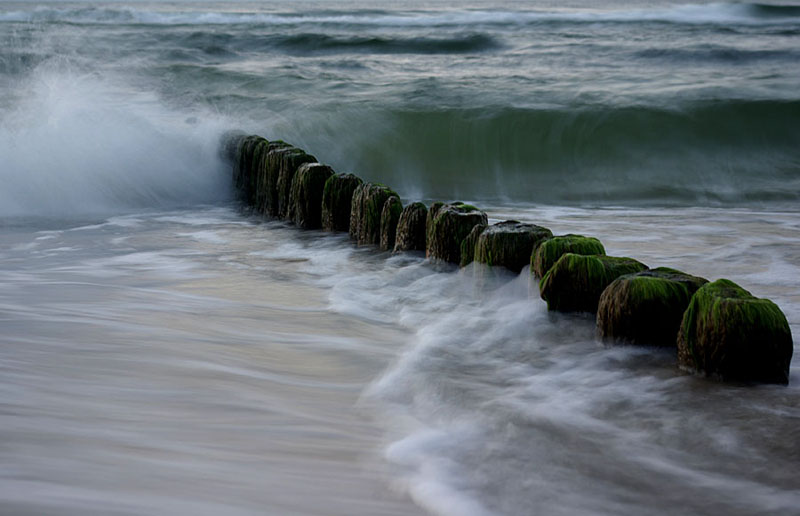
(706, 153)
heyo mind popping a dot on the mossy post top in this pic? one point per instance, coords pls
(575, 282)
(730, 334)
(509, 244)
(650, 279)
(547, 253)
(646, 308)
(725, 293)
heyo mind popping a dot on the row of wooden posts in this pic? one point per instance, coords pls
(719, 329)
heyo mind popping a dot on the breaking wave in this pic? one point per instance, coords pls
(705, 153)
(76, 145)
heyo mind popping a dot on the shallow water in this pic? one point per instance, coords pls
(167, 363)
(202, 362)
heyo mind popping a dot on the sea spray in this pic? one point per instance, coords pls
(76, 144)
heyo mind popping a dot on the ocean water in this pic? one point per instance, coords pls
(164, 352)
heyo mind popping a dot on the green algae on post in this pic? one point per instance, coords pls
(242, 170)
(433, 210)
(337, 201)
(575, 282)
(410, 234)
(646, 307)
(290, 160)
(365, 212)
(732, 335)
(449, 225)
(549, 251)
(509, 244)
(468, 244)
(268, 183)
(305, 198)
(390, 215)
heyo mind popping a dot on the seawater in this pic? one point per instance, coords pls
(164, 352)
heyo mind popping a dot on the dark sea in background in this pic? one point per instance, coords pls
(162, 352)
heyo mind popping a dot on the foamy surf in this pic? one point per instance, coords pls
(516, 410)
(77, 144)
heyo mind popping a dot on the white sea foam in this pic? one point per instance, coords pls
(209, 237)
(497, 406)
(77, 144)
(492, 405)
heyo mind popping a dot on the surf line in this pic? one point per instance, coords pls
(718, 329)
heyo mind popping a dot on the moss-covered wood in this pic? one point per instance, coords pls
(646, 307)
(290, 161)
(729, 334)
(411, 228)
(449, 227)
(305, 198)
(433, 210)
(243, 165)
(549, 251)
(509, 244)
(365, 213)
(255, 192)
(266, 182)
(390, 215)
(337, 201)
(468, 244)
(575, 281)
